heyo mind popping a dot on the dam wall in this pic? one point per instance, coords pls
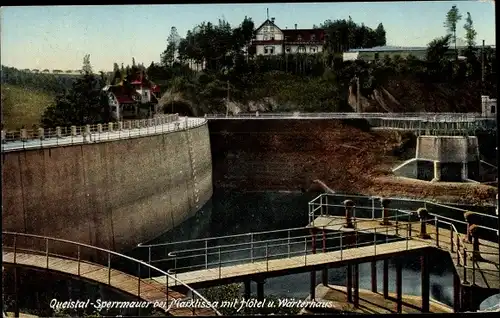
(112, 194)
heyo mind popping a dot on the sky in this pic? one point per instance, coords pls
(58, 37)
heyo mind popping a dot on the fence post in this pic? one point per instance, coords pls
(288, 243)
(47, 251)
(138, 280)
(305, 251)
(41, 134)
(149, 261)
(206, 254)
(58, 132)
(78, 251)
(451, 237)
(375, 240)
(267, 257)
(251, 247)
(437, 230)
(73, 131)
(341, 247)
(109, 268)
(219, 264)
(458, 249)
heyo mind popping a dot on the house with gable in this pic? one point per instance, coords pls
(271, 40)
(126, 98)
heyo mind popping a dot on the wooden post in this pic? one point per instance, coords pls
(349, 283)
(260, 290)
(312, 286)
(374, 276)
(456, 293)
(423, 214)
(386, 279)
(324, 272)
(424, 270)
(356, 285)
(399, 286)
(385, 213)
(248, 289)
(349, 205)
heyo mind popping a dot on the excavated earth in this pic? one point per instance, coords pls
(260, 155)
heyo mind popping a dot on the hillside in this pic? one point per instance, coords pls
(257, 155)
(23, 106)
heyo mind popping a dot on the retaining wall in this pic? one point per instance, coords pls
(111, 194)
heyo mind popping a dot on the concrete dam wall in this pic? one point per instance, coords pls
(111, 194)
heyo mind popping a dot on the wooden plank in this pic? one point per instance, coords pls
(150, 289)
(295, 262)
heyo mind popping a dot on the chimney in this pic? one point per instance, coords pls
(272, 20)
(295, 26)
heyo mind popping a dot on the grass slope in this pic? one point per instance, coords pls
(23, 106)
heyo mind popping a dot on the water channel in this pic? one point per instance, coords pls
(229, 213)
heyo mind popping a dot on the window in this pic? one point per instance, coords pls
(272, 38)
(269, 50)
(313, 37)
(313, 49)
(493, 109)
(302, 49)
(287, 49)
(299, 37)
(266, 37)
(265, 50)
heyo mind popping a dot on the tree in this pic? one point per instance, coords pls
(380, 35)
(87, 68)
(83, 104)
(168, 56)
(436, 54)
(452, 18)
(470, 33)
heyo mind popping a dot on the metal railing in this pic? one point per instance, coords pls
(320, 206)
(262, 251)
(59, 136)
(454, 124)
(49, 246)
(421, 116)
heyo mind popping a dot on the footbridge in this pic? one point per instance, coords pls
(423, 123)
(373, 233)
(43, 253)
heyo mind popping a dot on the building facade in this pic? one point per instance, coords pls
(270, 40)
(124, 99)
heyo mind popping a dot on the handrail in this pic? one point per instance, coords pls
(266, 245)
(109, 253)
(28, 139)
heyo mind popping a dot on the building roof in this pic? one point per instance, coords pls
(265, 22)
(122, 94)
(304, 35)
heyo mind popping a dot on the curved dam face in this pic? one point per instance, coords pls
(113, 194)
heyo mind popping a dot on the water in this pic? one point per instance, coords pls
(229, 213)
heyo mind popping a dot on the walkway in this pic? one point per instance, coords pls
(445, 233)
(423, 123)
(29, 139)
(218, 260)
(16, 251)
(296, 264)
